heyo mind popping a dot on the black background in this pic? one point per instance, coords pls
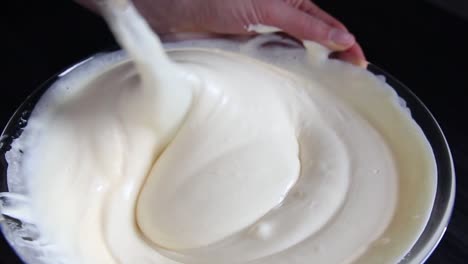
(423, 46)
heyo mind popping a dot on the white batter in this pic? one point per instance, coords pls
(221, 152)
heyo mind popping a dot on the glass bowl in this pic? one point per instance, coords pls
(424, 246)
(445, 190)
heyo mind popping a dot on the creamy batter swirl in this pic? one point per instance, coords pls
(221, 151)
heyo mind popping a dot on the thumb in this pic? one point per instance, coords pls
(304, 26)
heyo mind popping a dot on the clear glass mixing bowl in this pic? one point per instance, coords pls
(424, 246)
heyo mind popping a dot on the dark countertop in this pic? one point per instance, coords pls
(423, 46)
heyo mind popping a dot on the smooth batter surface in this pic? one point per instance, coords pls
(225, 151)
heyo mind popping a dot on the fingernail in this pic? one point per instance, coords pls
(341, 38)
(363, 64)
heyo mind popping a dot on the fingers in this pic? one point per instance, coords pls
(352, 55)
(315, 11)
(304, 26)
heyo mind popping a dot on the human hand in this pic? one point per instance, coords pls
(300, 18)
